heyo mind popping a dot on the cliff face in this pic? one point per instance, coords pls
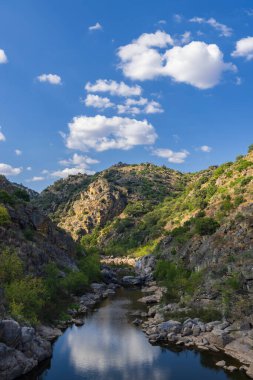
(35, 238)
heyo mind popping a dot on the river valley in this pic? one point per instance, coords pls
(109, 346)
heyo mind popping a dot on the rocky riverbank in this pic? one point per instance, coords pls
(22, 347)
(233, 339)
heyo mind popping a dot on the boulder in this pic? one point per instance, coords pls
(10, 332)
(131, 281)
(221, 364)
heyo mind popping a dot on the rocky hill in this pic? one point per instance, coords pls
(81, 203)
(35, 238)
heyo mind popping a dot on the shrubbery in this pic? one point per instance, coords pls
(4, 216)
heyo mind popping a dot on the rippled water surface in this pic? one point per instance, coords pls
(108, 347)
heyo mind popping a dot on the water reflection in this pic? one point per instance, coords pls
(107, 347)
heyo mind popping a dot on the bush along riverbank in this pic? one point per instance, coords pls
(168, 322)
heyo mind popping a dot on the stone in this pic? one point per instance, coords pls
(10, 332)
(221, 364)
(48, 333)
(231, 368)
(249, 371)
(131, 281)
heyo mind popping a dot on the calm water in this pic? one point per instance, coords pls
(108, 347)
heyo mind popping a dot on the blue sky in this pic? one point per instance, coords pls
(86, 84)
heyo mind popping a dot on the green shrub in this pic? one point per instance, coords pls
(28, 233)
(206, 226)
(11, 267)
(250, 148)
(6, 197)
(75, 282)
(4, 216)
(238, 200)
(26, 298)
(22, 194)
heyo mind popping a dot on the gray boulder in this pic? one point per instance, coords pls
(10, 332)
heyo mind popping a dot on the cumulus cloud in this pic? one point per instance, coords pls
(102, 133)
(3, 56)
(50, 78)
(113, 88)
(137, 106)
(29, 168)
(97, 101)
(244, 48)
(224, 30)
(197, 63)
(18, 152)
(97, 26)
(6, 169)
(80, 161)
(205, 148)
(2, 136)
(36, 179)
(171, 156)
(140, 59)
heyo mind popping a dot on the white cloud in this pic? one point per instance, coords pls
(2, 136)
(238, 81)
(140, 60)
(249, 12)
(50, 78)
(224, 30)
(97, 26)
(186, 37)
(206, 148)
(36, 179)
(29, 168)
(113, 88)
(244, 48)
(171, 156)
(198, 64)
(178, 18)
(101, 133)
(137, 106)
(162, 22)
(97, 101)
(6, 169)
(70, 171)
(18, 152)
(3, 57)
(79, 161)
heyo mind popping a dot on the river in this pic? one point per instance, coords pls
(108, 347)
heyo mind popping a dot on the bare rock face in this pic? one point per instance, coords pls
(98, 204)
(250, 371)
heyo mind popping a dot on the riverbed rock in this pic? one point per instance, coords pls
(221, 364)
(132, 281)
(48, 333)
(250, 371)
(10, 332)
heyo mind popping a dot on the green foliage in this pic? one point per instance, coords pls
(26, 298)
(28, 233)
(178, 280)
(250, 148)
(4, 216)
(206, 226)
(6, 198)
(243, 164)
(11, 267)
(75, 282)
(90, 266)
(238, 200)
(22, 194)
